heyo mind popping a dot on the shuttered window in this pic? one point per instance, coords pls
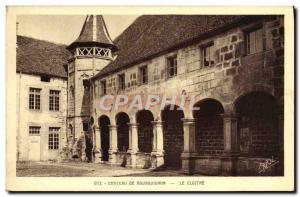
(254, 41)
(208, 55)
(122, 82)
(172, 66)
(143, 72)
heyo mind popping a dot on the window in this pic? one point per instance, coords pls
(54, 100)
(143, 74)
(71, 131)
(45, 78)
(208, 55)
(172, 66)
(122, 82)
(53, 143)
(72, 91)
(85, 126)
(103, 87)
(102, 52)
(254, 41)
(34, 130)
(34, 98)
(85, 83)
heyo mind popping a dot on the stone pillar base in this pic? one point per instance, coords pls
(229, 165)
(112, 157)
(157, 160)
(133, 159)
(188, 163)
(83, 156)
(98, 157)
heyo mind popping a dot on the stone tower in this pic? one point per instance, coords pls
(90, 52)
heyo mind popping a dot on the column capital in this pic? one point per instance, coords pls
(112, 126)
(134, 124)
(188, 120)
(158, 123)
(97, 129)
(229, 116)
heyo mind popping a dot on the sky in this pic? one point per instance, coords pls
(65, 29)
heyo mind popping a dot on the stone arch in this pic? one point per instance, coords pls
(172, 135)
(257, 87)
(103, 123)
(258, 124)
(144, 119)
(209, 127)
(122, 120)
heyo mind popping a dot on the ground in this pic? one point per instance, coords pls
(78, 169)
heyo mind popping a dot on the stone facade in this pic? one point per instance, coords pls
(240, 97)
(35, 147)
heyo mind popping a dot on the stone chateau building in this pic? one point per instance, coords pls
(233, 67)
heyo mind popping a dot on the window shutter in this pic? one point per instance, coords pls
(216, 56)
(139, 77)
(241, 48)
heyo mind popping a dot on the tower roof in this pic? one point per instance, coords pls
(93, 33)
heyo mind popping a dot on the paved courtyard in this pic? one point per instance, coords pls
(74, 169)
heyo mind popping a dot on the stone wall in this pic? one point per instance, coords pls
(209, 135)
(172, 137)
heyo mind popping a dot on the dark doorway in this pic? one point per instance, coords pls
(209, 127)
(104, 123)
(145, 130)
(122, 120)
(173, 136)
(258, 125)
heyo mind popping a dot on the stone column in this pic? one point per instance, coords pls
(188, 155)
(97, 145)
(113, 144)
(83, 146)
(231, 144)
(157, 154)
(133, 143)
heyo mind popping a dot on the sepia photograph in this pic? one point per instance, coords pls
(152, 95)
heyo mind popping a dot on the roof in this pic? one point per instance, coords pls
(151, 35)
(41, 57)
(93, 32)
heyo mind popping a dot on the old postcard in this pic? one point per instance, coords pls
(150, 99)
